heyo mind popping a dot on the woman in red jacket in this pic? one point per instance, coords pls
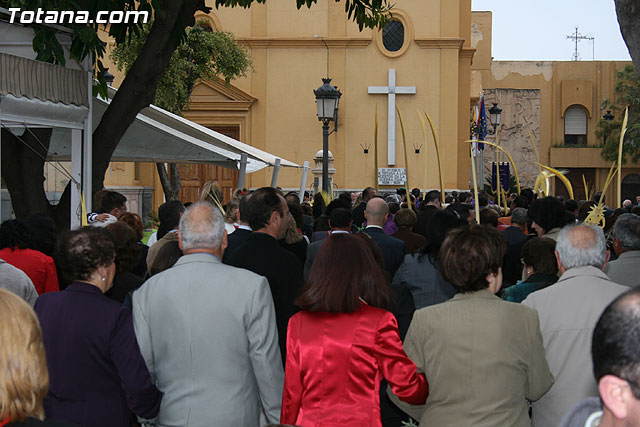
(343, 343)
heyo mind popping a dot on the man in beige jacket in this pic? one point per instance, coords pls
(568, 312)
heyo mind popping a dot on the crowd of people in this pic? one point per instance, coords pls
(368, 309)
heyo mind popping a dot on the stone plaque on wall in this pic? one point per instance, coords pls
(392, 176)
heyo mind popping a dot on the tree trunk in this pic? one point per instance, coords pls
(139, 87)
(22, 157)
(170, 184)
(628, 12)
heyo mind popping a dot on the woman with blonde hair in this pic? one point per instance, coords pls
(212, 193)
(24, 379)
(231, 215)
(294, 240)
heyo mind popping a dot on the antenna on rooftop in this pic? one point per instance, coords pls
(576, 37)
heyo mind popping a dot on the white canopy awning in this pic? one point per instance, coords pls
(159, 136)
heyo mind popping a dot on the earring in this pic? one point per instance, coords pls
(103, 278)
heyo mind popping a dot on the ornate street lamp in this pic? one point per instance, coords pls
(494, 116)
(108, 77)
(328, 99)
(608, 116)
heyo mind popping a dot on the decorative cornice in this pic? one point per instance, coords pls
(440, 43)
(467, 52)
(228, 90)
(310, 42)
(219, 106)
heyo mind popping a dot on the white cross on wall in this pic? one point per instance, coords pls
(392, 90)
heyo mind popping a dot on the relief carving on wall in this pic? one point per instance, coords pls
(520, 116)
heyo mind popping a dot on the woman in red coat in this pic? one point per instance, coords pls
(343, 343)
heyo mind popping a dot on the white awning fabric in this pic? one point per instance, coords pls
(159, 136)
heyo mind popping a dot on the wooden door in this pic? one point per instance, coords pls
(194, 175)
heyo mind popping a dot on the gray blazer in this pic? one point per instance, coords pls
(483, 358)
(15, 280)
(208, 334)
(625, 269)
(569, 310)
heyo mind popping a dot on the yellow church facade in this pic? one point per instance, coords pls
(274, 108)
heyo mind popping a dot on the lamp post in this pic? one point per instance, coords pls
(608, 117)
(108, 77)
(327, 99)
(494, 118)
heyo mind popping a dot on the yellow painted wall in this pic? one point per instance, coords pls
(293, 49)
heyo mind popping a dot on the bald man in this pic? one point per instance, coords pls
(376, 214)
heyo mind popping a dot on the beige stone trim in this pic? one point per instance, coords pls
(442, 43)
(310, 42)
(220, 106)
(212, 20)
(467, 53)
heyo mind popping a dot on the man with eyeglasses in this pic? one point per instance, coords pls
(615, 351)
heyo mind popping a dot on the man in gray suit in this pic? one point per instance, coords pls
(624, 270)
(568, 312)
(208, 333)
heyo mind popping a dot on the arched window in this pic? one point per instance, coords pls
(575, 126)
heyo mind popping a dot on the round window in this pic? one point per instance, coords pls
(393, 36)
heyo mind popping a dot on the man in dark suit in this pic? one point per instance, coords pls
(432, 202)
(237, 238)
(340, 221)
(358, 212)
(268, 216)
(515, 237)
(392, 249)
(402, 305)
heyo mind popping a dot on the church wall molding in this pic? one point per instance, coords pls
(306, 42)
(441, 43)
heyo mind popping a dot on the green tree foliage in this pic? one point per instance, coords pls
(202, 55)
(627, 93)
